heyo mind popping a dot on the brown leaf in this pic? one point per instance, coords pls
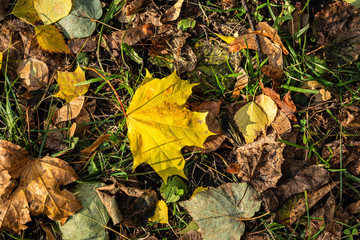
(264, 29)
(299, 180)
(83, 44)
(31, 186)
(3, 6)
(276, 74)
(130, 36)
(260, 162)
(86, 152)
(35, 73)
(354, 208)
(69, 111)
(55, 139)
(248, 41)
(133, 7)
(281, 124)
(172, 13)
(241, 82)
(128, 205)
(192, 235)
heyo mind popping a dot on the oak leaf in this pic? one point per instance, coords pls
(31, 186)
(67, 81)
(159, 125)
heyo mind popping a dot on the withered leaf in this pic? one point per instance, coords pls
(276, 74)
(69, 111)
(281, 123)
(31, 186)
(3, 5)
(172, 13)
(264, 29)
(241, 82)
(34, 72)
(260, 162)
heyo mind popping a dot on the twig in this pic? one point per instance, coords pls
(251, 23)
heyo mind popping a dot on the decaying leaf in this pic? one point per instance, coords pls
(218, 211)
(35, 73)
(133, 7)
(159, 125)
(264, 29)
(31, 186)
(3, 5)
(24, 9)
(172, 13)
(54, 138)
(80, 22)
(50, 39)
(323, 95)
(51, 11)
(128, 205)
(69, 111)
(241, 82)
(260, 162)
(86, 152)
(281, 123)
(161, 213)
(67, 81)
(192, 235)
(276, 74)
(89, 222)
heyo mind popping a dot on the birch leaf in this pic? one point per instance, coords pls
(51, 11)
(24, 9)
(159, 125)
(50, 39)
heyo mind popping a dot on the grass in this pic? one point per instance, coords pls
(113, 159)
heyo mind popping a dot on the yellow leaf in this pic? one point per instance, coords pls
(1, 59)
(50, 39)
(251, 120)
(159, 125)
(161, 213)
(67, 81)
(228, 40)
(51, 11)
(268, 106)
(197, 190)
(24, 9)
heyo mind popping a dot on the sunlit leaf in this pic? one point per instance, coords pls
(50, 39)
(24, 9)
(51, 11)
(161, 213)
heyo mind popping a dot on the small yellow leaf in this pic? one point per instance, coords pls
(1, 59)
(24, 9)
(228, 40)
(268, 106)
(67, 81)
(161, 213)
(197, 190)
(159, 125)
(50, 39)
(251, 120)
(51, 11)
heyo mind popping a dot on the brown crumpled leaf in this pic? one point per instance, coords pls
(172, 13)
(354, 208)
(128, 205)
(273, 51)
(276, 74)
(31, 186)
(83, 44)
(69, 111)
(132, 7)
(55, 139)
(337, 27)
(34, 72)
(281, 124)
(3, 6)
(303, 178)
(298, 207)
(86, 152)
(241, 82)
(260, 162)
(191, 235)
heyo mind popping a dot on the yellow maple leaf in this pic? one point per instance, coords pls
(251, 120)
(159, 125)
(161, 213)
(24, 9)
(67, 81)
(50, 39)
(51, 11)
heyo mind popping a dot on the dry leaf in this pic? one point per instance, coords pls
(86, 152)
(323, 95)
(133, 7)
(55, 138)
(172, 13)
(268, 106)
(281, 123)
(3, 6)
(157, 109)
(276, 74)
(67, 81)
(192, 235)
(260, 162)
(241, 82)
(69, 111)
(35, 73)
(51, 11)
(161, 213)
(354, 208)
(130, 36)
(251, 120)
(264, 29)
(50, 39)
(31, 186)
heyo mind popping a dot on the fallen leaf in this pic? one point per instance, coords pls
(281, 124)
(260, 162)
(35, 73)
(130, 36)
(31, 186)
(89, 222)
(218, 211)
(354, 208)
(55, 140)
(264, 29)
(191, 235)
(128, 205)
(290, 216)
(68, 80)
(50, 39)
(247, 41)
(276, 74)
(268, 106)
(241, 82)
(86, 152)
(83, 44)
(132, 7)
(80, 23)
(69, 111)
(251, 120)
(198, 190)
(305, 178)
(51, 11)
(161, 213)
(323, 95)
(172, 13)
(157, 109)
(48, 231)
(226, 39)
(3, 6)
(25, 9)
(300, 18)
